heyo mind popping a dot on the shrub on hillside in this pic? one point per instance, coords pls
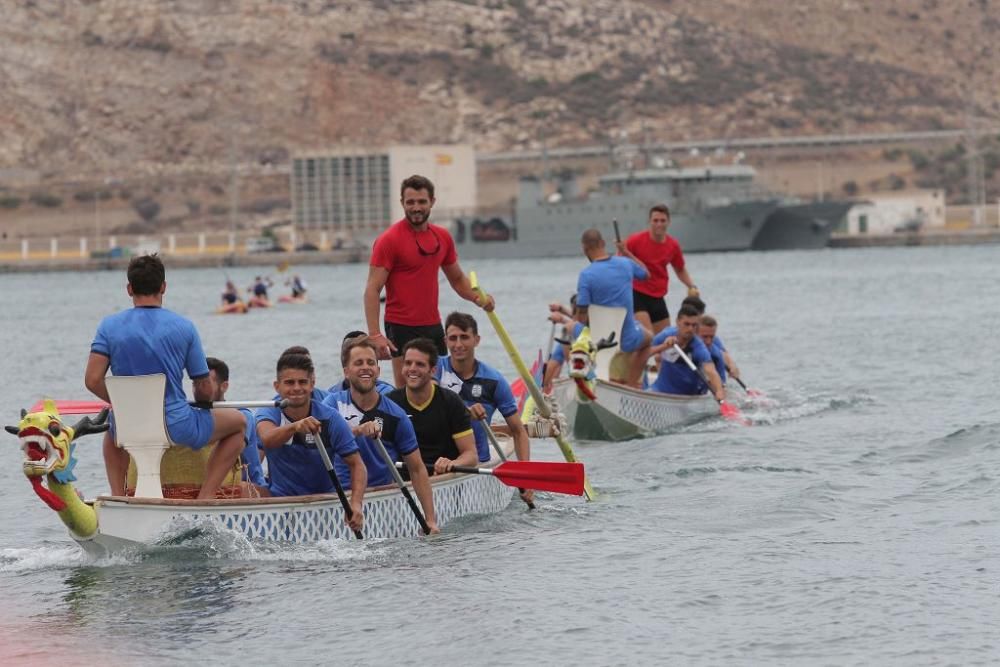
(10, 201)
(147, 208)
(45, 199)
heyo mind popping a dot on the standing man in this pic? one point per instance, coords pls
(371, 415)
(290, 439)
(675, 377)
(148, 339)
(482, 387)
(440, 418)
(608, 282)
(405, 260)
(654, 248)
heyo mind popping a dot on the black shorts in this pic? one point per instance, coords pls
(400, 335)
(655, 306)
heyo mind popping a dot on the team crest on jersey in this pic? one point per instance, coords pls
(477, 390)
(378, 422)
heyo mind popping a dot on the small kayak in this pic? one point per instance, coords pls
(235, 308)
(259, 302)
(287, 298)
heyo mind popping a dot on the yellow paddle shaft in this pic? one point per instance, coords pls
(536, 394)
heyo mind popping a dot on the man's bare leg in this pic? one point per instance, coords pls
(642, 317)
(116, 462)
(229, 432)
(397, 371)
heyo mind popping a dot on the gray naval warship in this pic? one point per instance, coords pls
(712, 208)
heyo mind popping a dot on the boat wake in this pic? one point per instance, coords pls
(783, 406)
(52, 557)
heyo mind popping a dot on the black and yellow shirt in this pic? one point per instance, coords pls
(438, 422)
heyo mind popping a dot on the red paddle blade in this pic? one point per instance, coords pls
(542, 475)
(73, 407)
(732, 413)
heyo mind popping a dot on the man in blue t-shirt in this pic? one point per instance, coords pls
(149, 339)
(482, 387)
(608, 282)
(370, 414)
(253, 471)
(720, 355)
(290, 438)
(675, 376)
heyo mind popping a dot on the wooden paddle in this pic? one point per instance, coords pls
(328, 464)
(729, 411)
(529, 382)
(553, 476)
(402, 486)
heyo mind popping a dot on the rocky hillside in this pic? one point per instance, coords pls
(100, 88)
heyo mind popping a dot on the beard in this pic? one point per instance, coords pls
(417, 218)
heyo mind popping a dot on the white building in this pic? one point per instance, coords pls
(356, 191)
(886, 212)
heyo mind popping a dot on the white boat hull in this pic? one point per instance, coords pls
(130, 523)
(621, 413)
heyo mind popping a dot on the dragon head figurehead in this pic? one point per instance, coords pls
(48, 446)
(582, 357)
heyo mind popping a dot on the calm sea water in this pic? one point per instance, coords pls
(854, 523)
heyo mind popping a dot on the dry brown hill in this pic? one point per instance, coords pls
(120, 87)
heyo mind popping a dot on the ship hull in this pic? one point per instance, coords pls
(800, 227)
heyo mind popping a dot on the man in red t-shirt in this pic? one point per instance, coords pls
(656, 250)
(405, 260)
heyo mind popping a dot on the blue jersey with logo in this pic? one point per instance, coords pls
(675, 377)
(398, 435)
(486, 386)
(717, 358)
(254, 471)
(145, 340)
(296, 467)
(608, 282)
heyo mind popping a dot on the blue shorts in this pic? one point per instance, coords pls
(193, 430)
(632, 335)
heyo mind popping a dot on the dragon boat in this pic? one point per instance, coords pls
(597, 409)
(112, 524)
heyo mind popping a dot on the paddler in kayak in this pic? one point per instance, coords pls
(298, 287)
(231, 301)
(259, 297)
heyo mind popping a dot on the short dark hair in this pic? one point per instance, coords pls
(354, 334)
(220, 368)
(695, 302)
(417, 182)
(425, 345)
(146, 274)
(298, 362)
(659, 208)
(297, 349)
(355, 341)
(463, 321)
(709, 321)
(687, 310)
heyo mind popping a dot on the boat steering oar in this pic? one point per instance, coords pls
(383, 452)
(554, 476)
(503, 457)
(328, 464)
(728, 411)
(529, 382)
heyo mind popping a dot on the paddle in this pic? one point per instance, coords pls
(750, 392)
(491, 436)
(730, 412)
(529, 382)
(618, 236)
(402, 486)
(328, 464)
(553, 476)
(93, 407)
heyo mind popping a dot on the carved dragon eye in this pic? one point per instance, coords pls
(54, 429)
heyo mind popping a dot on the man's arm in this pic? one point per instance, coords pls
(377, 277)
(625, 252)
(359, 481)
(581, 315)
(714, 381)
(202, 388)
(93, 377)
(522, 445)
(422, 487)
(460, 283)
(688, 281)
(271, 435)
(731, 366)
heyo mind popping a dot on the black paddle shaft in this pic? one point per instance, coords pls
(618, 236)
(328, 464)
(384, 453)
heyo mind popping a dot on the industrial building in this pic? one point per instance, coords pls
(354, 193)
